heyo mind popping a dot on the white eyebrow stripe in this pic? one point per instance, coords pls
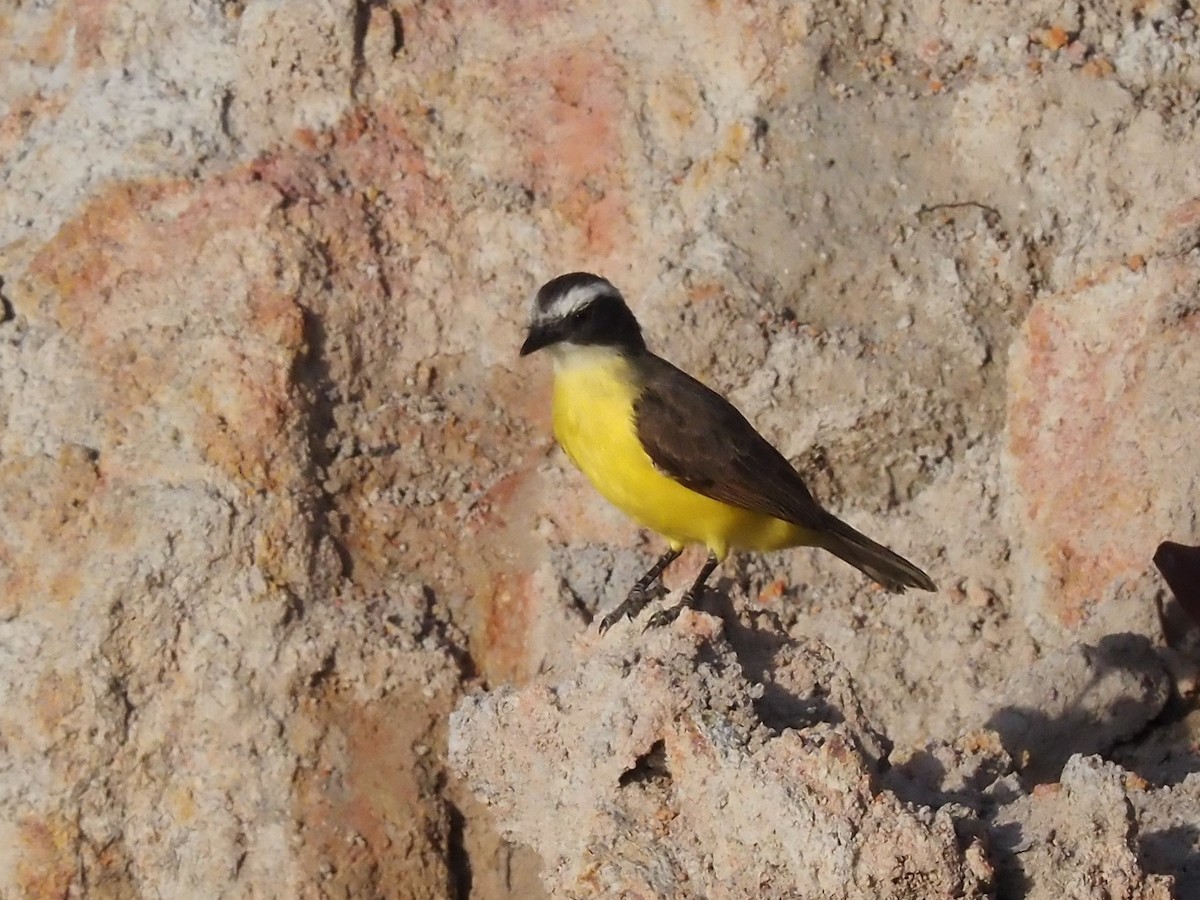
(573, 300)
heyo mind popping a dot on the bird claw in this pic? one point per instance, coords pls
(664, 616)
(671, 613)
(629, 608)
(612, 619)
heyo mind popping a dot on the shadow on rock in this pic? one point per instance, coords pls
(1085, 699)
(1173, 851)
(802, 683)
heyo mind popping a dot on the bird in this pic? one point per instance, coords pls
(673, 454)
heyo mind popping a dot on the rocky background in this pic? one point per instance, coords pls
(295, 589)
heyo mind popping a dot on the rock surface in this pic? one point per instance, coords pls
(276, 494)
(679, 777)
(656, 753)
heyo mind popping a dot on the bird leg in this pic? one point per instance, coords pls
(639, 594)
(671, 613)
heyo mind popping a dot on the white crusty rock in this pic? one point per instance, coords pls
(646, 769)
(1077, 838)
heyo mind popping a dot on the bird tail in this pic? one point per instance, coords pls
(890, 570)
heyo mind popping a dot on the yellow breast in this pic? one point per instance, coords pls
(594, 394)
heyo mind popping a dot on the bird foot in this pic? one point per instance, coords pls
(664, 616)
(669, 614)
(630, 608)
(614, 617)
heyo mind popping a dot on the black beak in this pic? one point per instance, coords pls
(539, 336)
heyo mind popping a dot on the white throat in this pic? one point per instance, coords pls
(567, 356)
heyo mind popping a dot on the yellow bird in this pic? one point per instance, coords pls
(673, 455)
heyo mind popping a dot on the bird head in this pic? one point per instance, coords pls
(581, 310)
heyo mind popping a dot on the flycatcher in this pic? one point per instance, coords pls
(675, 456)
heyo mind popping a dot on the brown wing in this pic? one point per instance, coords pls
(696, 436)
